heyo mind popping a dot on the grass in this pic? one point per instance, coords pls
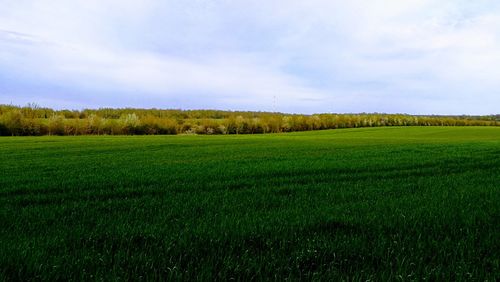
(352, 204)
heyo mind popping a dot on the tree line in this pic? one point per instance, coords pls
(32, 120)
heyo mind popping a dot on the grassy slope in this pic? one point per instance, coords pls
(354, 203)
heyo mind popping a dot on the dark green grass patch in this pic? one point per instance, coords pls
(354, 204)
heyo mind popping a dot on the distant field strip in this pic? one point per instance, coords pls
(387, 203)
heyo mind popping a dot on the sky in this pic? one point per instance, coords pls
(307, 56)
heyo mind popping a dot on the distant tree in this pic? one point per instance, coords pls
(35, 120)
(3, 130)
(13, 122)
(56, 125)
(94, 124)
(131, 124)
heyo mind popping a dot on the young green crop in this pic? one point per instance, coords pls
(352, 204)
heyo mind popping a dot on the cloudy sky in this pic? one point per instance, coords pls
(307, 56)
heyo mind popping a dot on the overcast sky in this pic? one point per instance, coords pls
(308, 56)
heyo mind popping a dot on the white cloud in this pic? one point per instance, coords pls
(231, 77)
(417, 56)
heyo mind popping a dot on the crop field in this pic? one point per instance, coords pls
(393, 203)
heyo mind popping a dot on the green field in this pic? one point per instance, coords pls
(396, 203)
